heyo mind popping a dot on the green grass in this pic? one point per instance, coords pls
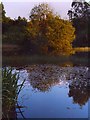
(10, 91)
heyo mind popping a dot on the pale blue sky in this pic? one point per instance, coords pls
(15, 8)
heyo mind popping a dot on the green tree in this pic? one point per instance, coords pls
(79, 9)
(49, 33)
(2, 10)
(0, 13)
(14, 31)
(80, 17)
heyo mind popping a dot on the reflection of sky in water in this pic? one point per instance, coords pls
(55, 102)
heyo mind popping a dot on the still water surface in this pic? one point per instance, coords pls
(51, 91)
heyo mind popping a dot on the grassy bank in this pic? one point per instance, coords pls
(82, 49)
(9, 49)
(12, 57)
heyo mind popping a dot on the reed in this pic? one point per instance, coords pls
(10, 92)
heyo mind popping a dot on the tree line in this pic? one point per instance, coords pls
(45, 32)
(79, 15)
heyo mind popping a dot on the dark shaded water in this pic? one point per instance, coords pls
(78, 59)
(53, 91)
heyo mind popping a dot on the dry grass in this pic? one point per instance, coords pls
(82, 49)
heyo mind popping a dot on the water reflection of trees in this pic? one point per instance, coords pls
(43, 77)
(80, 94)
(79, 87)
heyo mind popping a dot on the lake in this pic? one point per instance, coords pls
(53, 88)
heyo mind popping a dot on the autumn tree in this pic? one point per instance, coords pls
(49, 33)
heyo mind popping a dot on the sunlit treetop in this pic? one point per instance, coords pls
(40, 11)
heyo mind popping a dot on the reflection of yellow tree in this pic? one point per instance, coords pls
(43, 78)
(66, 64)
(43, 85)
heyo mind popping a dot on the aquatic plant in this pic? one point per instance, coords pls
(10, 92)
